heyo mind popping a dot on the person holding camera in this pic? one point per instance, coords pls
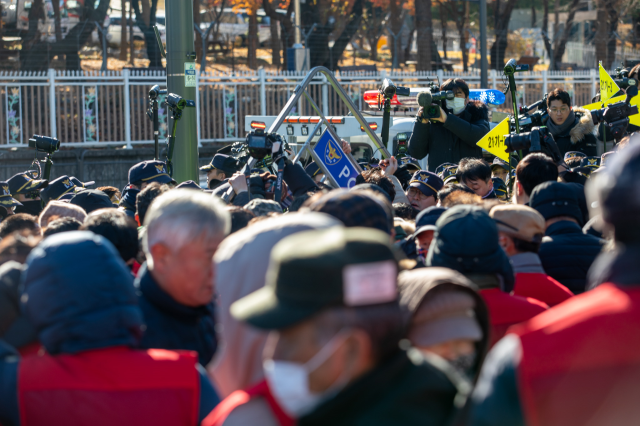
(572, 127)
(454, 134)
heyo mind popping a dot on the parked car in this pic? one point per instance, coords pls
(234, 25)
(114, 33)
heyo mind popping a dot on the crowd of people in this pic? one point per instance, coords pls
(463, 294)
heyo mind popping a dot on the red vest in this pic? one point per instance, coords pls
(581, 361)
(219, 414)
(541, 287)
(111, 387)
(506, 310)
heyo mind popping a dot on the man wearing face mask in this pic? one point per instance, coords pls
(27, 190)
(454, 134)
(333, 356)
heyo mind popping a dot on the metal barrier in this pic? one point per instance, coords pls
(108, 108)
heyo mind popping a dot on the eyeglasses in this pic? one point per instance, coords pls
(562, 110)
(416, 193)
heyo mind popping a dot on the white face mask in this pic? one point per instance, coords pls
(289, 381)
(457, 105)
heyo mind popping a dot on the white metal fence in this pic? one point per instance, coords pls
(109, 108)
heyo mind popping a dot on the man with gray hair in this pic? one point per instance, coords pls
(176, 284)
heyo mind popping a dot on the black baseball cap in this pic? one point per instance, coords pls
(427, 218)
(498, 163)
(6, 200)
(312, 169)
(24, 183)
(190, 184)
(150, 171)
(223, 162)
(314, 270)
(57, 188)
(91, 200)
(553, 199)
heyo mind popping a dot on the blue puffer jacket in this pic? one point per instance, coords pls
(171, 325)
(79, 295)
(567, 254)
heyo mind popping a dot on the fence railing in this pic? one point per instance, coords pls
(109, 108)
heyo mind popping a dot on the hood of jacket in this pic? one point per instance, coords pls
(584, 125)
(475, 111)
(418, 285)
(241, 267)
(79, 294)
(128, 200)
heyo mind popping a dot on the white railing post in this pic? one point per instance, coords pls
(440, 75)
(127, 108)
(595, 83)
(493, 79)
(325, 96)
(263, 92)
(544, 82)
(52, 103)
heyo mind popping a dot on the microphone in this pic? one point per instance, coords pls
(424, 99)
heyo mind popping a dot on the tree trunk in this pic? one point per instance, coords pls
(601, 33)
(275, 43)
(252, 60)
(350, 30)
(561, 42)
(424, 24)
(146, 26)
(503, 16)
(613, 19)
(33, 52)
(124, 45)
(545, 33)
(131, 42)
(286, 28)
(407, 49)
(443, 25)
(373, 44)
(395, 19)
(533, 15)
(56, 18)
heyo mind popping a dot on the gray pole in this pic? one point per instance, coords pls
(484, 77)
(180, 55)
(296, 11)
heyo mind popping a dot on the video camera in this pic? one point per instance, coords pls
(44, 143)
(537, 119)
(431, 100)
(389, 89)
(177, 104)
(622, 78)
(260, 144)
(155, 92)
(616, 116)
(539, 139)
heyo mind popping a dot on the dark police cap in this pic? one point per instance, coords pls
(6, 200)
(410, 163)
(591, 162)
(24, 183)
(498, 163)
(314, 270)
(553, 199)
(91, 200)
(312, 169)
(574, 154)
(500, 188)
(223, 162)
(79, 184)
(427, 218)
(427, 182)
(57, 188)
(442, 166)
(150, 171)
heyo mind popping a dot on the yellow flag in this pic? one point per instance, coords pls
(608, 87)
(494, 140)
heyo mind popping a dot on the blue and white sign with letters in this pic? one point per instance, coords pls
(334, 159)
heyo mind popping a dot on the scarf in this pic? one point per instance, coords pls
(562, 129)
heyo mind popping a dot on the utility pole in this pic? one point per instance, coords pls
(296, 11)
(181, 80)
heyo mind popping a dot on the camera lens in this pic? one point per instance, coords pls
(517, 142)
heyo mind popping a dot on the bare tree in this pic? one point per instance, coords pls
(124, 45)
(252, 59)
(424, 24)
(460, 13)
(502, 16)
(443, 27)
(373, 27)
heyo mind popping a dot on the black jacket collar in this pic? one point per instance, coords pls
(163, 301)
(563, 227)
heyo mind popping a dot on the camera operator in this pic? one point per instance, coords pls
(453, 135)
(572, 127)
(221, 167)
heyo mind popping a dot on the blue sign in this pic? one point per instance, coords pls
(335, 160)
(488, 96)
